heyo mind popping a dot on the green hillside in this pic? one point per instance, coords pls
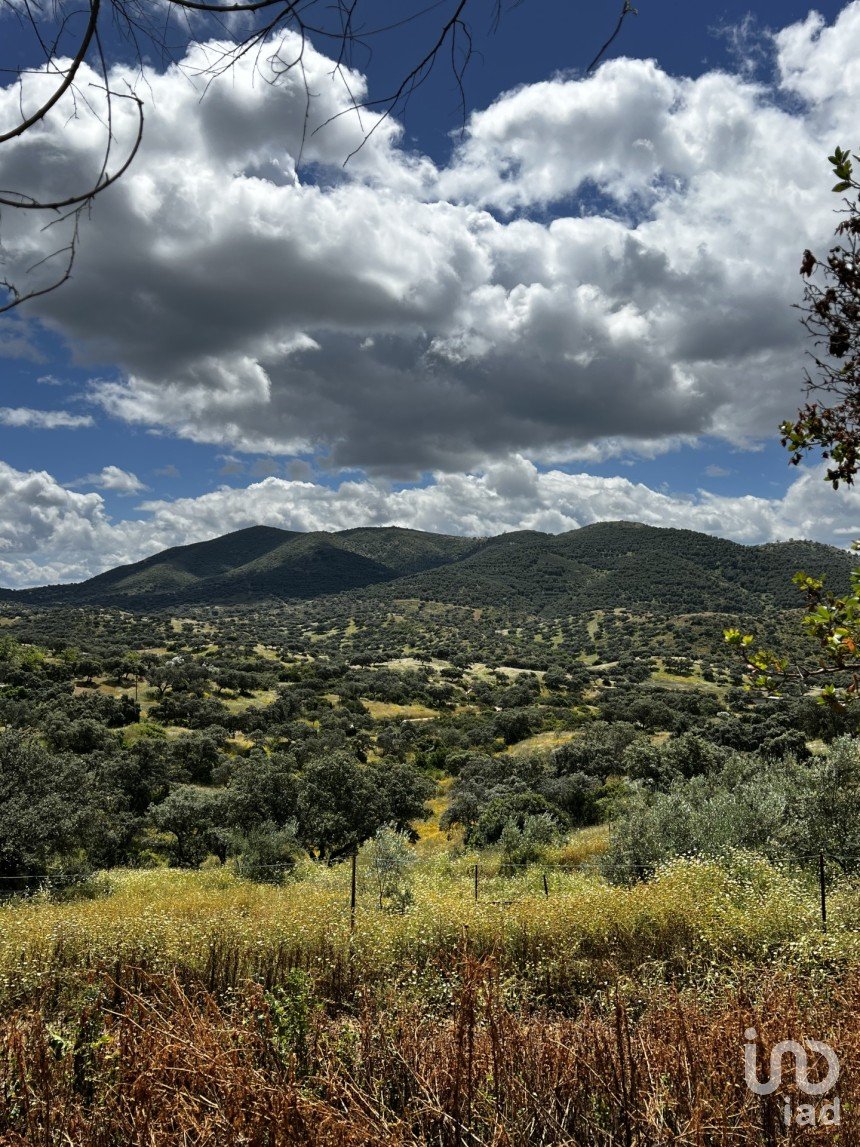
(262, 562)
(602, 566)
(624, 564)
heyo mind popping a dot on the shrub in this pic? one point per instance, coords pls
(265, 852)
(778, 807)
(390, 860)
(515, 809)
(527, 844)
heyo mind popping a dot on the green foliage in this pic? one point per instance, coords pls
(191, 815)
(291, 1008)
(196, 756)
(826, 814)
(525, 840)
(782, 809)
(832, 623)
(262, 788)
(389, 860)
(52, 809)
(342, 803)
(576, 794)
(513, 725)
(831, 423)
(514, 811)
(679, 759)
(403, 793)
(599, 752)
(265, 852)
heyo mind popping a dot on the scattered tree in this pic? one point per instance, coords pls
(390, 859)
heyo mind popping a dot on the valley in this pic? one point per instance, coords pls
(357, 825)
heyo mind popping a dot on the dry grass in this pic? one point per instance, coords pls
(260, 697)
(695, 920)
(157, 1060)
(388, 710)
(430, 835)
(540, 743)
(267, 652)
(584, 846)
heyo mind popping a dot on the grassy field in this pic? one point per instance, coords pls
(540, 742)
(196, 1007)
(695, 918)
(389, 710)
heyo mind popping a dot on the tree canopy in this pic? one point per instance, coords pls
(830, 422)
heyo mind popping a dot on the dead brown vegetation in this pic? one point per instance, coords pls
(145, 1060)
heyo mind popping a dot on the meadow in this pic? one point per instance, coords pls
(197, 1007)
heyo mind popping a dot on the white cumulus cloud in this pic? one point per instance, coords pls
(115, 479)
(604, 259)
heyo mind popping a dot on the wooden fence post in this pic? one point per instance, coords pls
(352, 893)
(823, 890)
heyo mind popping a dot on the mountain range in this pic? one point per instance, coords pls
(601, 566)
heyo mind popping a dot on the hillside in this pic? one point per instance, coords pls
(261, 562)
(602, 566)
(625, 564)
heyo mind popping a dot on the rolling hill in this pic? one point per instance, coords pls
(601, 566)
(625, 564)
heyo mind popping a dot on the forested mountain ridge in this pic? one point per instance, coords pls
(612, 565)
(601, 566)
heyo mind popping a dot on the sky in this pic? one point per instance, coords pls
(569, 300)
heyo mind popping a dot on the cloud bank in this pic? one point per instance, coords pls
(604, 266)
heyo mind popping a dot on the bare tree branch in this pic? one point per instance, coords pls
(66, 82)
(627, 9)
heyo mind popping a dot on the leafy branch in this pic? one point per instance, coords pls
(831, 315)
(833, 624)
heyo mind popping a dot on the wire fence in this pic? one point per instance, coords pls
(499, 867)
(479, 875)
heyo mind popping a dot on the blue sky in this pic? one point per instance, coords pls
(572, 304)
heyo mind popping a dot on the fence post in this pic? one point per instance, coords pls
(476, 884)
(545, 886)
(823, 889)
(352, 894)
